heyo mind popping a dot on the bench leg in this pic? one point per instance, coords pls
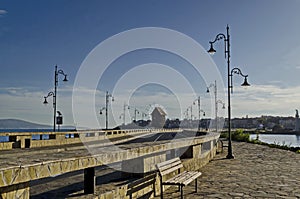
(179, 187)
(196, 185)
(154, 192)
(161, 189)
(181, 192)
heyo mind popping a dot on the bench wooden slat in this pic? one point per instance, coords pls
(140, 187)
(144, 179)
(176, 179)
(171, 170)
(193, 177)
(168, 162)
(164, 167)
(141, 184)
(184, 178)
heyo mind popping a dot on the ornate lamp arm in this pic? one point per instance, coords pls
(218, 37)
(238, 72)
(49, 94)
(102, 109)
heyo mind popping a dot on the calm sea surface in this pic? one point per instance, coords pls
(280, 139)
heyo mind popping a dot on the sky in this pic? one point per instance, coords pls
(37, 35)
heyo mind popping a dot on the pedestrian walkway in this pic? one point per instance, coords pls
(256, 172)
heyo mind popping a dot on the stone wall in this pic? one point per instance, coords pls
(194, 153)
(24, 139)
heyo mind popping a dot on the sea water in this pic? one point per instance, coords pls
(279, 139)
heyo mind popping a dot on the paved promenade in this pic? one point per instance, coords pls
(256, 172)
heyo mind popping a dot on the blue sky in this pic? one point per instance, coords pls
(37, 35)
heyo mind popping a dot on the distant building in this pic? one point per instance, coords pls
(158, 117)
(288, 123)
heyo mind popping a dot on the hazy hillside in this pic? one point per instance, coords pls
(20, 124)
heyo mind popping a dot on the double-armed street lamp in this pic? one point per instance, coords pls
(53, 94)
(214, 85)
(136, 111)
(199, 110)
(144, 115)
(124, 112)
(186, 114)
(230, 73)
(107, 97)
(190, 108)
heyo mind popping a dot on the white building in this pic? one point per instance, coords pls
(158, 117)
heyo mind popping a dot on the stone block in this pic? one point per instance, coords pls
(20, 191)
(197, 151)
(54, 168)
(143, 164)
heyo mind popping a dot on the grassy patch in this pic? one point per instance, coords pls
(237, 135)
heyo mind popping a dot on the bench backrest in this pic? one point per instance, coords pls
(169, 166)
(141, 184)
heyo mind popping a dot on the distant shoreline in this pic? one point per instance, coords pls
(35, 130)
(284, 132)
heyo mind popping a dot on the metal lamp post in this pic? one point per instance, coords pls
(191, 107)
(199, 111)
(136, 111)
(186, 114)
(223, 107)
(56, 73)
(144, 115)
(124, 112)
(214, 85)
(107, 96)
(226, 39)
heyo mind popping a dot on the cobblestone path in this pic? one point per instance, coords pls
(256, 172)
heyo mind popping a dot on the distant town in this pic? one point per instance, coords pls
(272, 124)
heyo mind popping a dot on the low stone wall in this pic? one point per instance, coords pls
(15, 191)
(24, 139)
(195, 152)
(198, 160)
(6, 145)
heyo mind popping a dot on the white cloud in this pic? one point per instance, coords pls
(27, 104)
(256, 100)
(265, 100)
(3, 12)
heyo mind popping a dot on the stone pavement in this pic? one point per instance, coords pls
(256, 172)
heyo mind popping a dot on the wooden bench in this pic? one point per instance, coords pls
(142, 183)
(221, 143)
(180, 179)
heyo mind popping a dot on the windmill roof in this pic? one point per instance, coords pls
(160, 110)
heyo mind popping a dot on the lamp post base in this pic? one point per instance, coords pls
(230, 156)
